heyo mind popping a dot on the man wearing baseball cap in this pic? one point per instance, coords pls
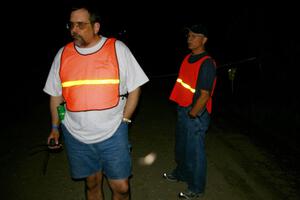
(192, 93)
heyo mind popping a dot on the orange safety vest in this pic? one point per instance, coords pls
(185, 86)
(90, 82)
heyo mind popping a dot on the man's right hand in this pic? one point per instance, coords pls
(53, 139)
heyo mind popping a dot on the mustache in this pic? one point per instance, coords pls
(76, 36)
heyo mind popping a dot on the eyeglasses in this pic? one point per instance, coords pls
(80, 25)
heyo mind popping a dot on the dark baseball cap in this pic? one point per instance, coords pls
(198, 28)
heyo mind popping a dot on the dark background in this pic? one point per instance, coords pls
(259, 40)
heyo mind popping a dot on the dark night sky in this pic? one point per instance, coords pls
(35, 31)
(156, 31)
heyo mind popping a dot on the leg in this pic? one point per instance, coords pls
(84, 163)
(195, 153)
(94, 186)
(120, 189)
(180, 144)
(116, 160)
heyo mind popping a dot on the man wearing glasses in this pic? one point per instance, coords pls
(99, 80)
(192, 93)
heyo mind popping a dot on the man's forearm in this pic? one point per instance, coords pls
(200, 103)
(131, 103)
(54, 102)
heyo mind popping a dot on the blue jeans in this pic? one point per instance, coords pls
(190, 153)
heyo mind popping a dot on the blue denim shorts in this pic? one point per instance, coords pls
(111, 156)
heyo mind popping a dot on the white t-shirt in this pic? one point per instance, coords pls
(95, 126)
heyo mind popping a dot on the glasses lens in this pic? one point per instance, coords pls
(80, 25)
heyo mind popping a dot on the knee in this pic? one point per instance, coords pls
(121, 188)
(93, 181)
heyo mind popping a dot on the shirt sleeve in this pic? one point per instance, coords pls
(133, 74)
(206, 75)
(53, 83)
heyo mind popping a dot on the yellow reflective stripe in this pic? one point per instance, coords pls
(90, 82)
(186, 85)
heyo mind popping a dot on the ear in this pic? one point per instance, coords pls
(205, 40)
(96, 27)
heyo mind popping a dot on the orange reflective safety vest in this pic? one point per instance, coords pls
(185, 86)
(90, 82)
